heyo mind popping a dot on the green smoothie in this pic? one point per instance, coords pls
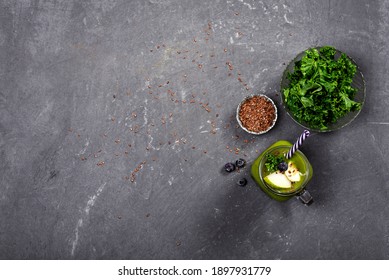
(279, 177)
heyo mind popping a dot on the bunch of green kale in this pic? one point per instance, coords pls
(320, 91)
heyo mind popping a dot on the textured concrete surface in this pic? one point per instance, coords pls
(116, 118)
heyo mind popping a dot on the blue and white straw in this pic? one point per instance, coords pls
(298, 143)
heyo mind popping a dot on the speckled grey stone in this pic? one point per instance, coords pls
(116, 118)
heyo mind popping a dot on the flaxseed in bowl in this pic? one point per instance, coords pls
(256, 114)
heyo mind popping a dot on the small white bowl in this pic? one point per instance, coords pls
(253, 132)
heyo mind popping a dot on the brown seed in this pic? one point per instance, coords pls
(229, 64)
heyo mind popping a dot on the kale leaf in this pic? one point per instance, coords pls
(272, 162)
(319, 90)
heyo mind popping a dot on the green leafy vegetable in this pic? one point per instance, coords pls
(272, 162)
(320, 91)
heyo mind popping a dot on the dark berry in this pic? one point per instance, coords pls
(242, 182)
(229, 167)
(240, 163)
(283, 166)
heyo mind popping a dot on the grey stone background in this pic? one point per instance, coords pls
(116, 118)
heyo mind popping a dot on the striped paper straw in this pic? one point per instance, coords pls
(298, 143)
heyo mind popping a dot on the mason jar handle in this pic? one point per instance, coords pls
(305, 197)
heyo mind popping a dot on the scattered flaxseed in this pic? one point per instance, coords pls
(136, 170)
(205, 107)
